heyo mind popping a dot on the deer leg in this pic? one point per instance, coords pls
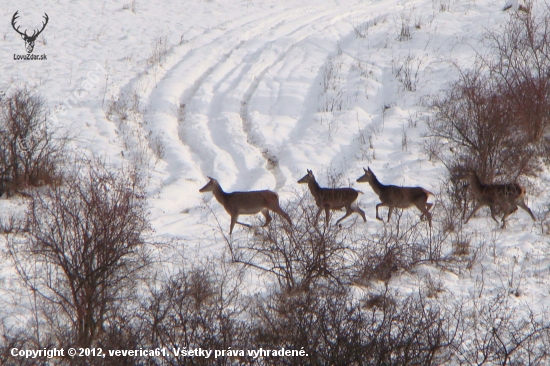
(506, 214)
(361, 212)
(428, 216)
(492, 208)
(473, 212)
(233, 221)
(378, 217)
(317, 216)
(428, 208)
(349, 211)
(267, 216)
(283, 214)
(426, 212)
(390, 211)
(278, 210)
(327, 213)
(524, 207)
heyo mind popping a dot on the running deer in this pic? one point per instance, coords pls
(505, 196)
(398, 197)
(245, 203)
(332, 198)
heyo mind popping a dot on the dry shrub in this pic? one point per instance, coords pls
(199, 307)
(80, 250)
(334, 328)
(401, 244)
(479, 122)
(30, 152)
(495, 118)
(302, 255)
(494, 332)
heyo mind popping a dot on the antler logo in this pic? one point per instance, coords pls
(29, 40)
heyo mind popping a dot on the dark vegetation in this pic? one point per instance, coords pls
(495, 118)
(30, 151)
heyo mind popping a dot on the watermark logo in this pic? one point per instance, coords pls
(29, 40)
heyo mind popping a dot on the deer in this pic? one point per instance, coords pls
(332, 198)
(245, 203)
(506, 196)
(398, 197)
(29, 40)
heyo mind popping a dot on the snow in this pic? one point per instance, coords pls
(243, 82)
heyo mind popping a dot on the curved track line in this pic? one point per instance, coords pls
(253, 131)
(276, 49)
(184, 80)
(161, 120)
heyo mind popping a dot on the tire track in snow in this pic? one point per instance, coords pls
(254, 134)
(181, 83)
(161, 106)
(248, 85)
(303, 144)
(205, 112)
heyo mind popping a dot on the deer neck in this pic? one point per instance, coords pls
(375, 184)
(476, 183)
(314, 187)
(219, 194)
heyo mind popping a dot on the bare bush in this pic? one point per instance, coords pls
(301, 255)
(404, 33)
(332, 94)
(478, 121)
(492, 332)
(457, 199)
(407, 72)
(80, 250)
(29, 151)
(130, 6)
(399, 245)
(336, 329)
(159, 51)
(199, 307)
(361, 30)
(129, 116)
(496, 117)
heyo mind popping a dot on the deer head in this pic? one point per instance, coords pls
(210, 186)
(366, 177)
(306, 178)
(29, 40)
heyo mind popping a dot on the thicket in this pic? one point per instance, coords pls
(30, 150)
(495, 117)
(83, 251)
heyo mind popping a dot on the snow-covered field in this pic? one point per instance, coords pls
(255, 92)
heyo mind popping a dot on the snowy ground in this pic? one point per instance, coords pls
(254, 93)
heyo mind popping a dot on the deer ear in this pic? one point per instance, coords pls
(309, 172)
(365, 170)
(210, 177)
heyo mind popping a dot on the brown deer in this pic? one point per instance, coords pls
(245, 203)
(505, 196)
(398, 197)
(332, 198)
